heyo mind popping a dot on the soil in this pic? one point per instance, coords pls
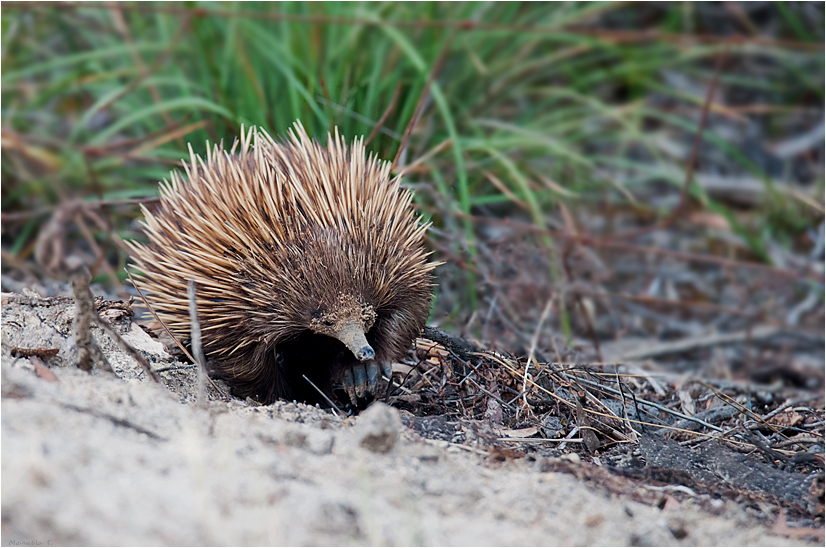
(104, 458)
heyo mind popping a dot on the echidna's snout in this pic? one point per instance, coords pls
(365, 353)
(351, 333)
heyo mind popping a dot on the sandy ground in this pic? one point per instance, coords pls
(111, 459)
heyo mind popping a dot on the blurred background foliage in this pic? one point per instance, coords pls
(564, 117)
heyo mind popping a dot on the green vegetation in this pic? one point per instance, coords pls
(99, 103)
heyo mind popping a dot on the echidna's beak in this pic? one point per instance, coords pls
(352, 335)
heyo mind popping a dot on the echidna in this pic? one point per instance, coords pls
(308, 260)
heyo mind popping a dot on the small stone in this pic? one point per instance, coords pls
(594, 520)
(573, 457)
(378, 428)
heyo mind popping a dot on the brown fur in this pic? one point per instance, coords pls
(283, 239)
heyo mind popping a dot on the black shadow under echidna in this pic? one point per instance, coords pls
(308, 260)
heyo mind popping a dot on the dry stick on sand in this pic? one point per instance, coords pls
(624, 405)
(326, 398)
(197, 351)
(89, 353)
(534, 342)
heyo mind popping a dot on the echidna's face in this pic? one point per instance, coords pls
(348, 320)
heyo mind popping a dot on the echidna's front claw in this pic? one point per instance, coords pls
(360, 377)
(348, 382)
(372, 376)
(361, 380)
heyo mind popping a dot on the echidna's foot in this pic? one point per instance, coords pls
(361, 380)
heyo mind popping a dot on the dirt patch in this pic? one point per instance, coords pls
(99, 458)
